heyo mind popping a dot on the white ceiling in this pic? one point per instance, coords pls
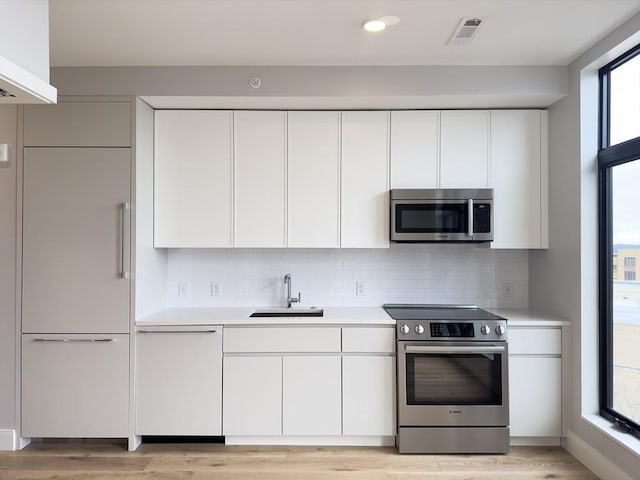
(325, 32)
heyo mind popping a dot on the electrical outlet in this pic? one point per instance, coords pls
(216, 289)
(183, 288)
(507, 289)
(361, 288)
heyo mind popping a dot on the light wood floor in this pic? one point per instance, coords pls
(92, 461)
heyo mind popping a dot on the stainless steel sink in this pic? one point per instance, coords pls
(288, 312)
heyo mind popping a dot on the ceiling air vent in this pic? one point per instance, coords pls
(465, 31)
(4, 93)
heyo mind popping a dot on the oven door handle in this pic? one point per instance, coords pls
(453, 349)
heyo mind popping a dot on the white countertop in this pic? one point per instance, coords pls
(230, 316)
(523, 317)
(239, 316)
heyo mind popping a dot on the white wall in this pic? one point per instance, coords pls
(564, 278)
(24, 35)
(8, 126)
(400, 274)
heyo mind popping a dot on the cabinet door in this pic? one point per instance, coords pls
(535, 396)
(464, 149)
(179, 383)
(314, 178)
(75, 387)
(75, 240)
(369, 395)
(414, 149)
(78, 124)
(365, 180)
(516, 177)
(252, 396)
(311, 395)
(260, 170)
(192, 175)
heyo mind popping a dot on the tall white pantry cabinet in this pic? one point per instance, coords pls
(76, 264)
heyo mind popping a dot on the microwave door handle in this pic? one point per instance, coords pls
(470, 216)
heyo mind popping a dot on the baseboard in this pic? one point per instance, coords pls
(593, 460)
(7, 440)
(363, 441)
(535, 441)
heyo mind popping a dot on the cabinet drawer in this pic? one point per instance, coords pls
(78, 124)
(366, 339)
(281, 339)
(75, 385)
(535, 341)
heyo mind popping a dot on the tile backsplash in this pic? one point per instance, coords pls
(401, 274)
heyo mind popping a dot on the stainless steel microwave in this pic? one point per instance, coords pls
(441, 215)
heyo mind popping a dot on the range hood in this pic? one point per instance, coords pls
(17, 85)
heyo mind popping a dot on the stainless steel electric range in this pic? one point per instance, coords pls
(452, 379)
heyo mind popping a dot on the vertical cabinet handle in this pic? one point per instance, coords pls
(124, 207)
(470, 217)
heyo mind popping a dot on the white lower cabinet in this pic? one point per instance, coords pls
(369, 400)
(311, 395)
(535, 382)
(535, 391)
(252, 395)
(323, 382)
(282, 395)
(179, 382)
(75, 385)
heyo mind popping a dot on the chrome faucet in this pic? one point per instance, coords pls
(290, 299)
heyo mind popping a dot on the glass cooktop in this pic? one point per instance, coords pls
(438, 312)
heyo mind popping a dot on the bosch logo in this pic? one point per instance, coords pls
(455, 411)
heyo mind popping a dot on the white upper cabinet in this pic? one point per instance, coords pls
(313, 179)
(260, 171)
(365, 180)
(464, 149)
(519, 178)
(193, 166)
(414, 149)
(321, 179)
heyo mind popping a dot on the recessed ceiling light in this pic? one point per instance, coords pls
(374, 26)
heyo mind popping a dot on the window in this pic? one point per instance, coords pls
(619, 226)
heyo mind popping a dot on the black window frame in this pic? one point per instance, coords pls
(610, 156)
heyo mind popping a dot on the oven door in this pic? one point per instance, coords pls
(452, 384)
(441, 220)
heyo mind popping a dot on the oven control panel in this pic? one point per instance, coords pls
(488, 330)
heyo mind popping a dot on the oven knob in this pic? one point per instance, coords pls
(485, 330)
(419, 329)
(500, 330)
(404, 329)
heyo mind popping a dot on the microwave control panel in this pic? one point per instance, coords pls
(482, 218)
